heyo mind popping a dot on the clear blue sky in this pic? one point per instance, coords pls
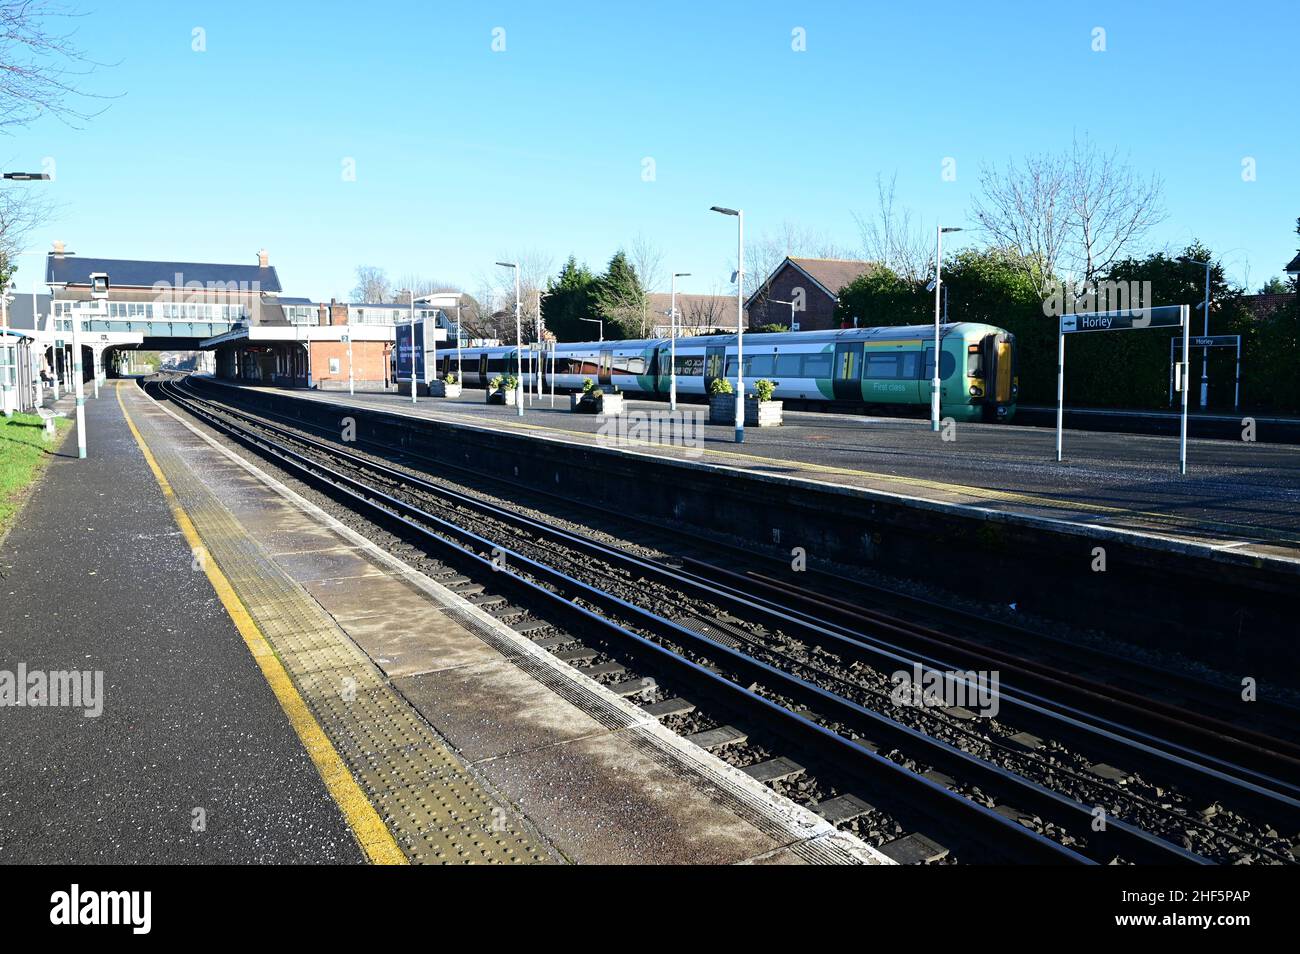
(464, 155)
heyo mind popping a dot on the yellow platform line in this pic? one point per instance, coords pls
(366, 825)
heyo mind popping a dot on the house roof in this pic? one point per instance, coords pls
(1263, 305)
(830, 274)
(1294, 266)
(138, 273)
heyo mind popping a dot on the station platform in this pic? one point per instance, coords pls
(310, 698)
(1237, 496)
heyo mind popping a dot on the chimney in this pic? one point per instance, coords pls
(263, 261)
(58, 248)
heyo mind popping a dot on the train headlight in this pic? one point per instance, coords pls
(976, 390)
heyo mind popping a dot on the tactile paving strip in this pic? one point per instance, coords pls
(437, 811)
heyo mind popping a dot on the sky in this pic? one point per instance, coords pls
(463, 154)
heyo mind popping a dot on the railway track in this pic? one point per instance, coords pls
(809, 699)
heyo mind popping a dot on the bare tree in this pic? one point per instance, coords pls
(22, 209)
(894, 236)
(648, 260)
(40, 66)
(372, 285)
(1078, 212)
(535, 268)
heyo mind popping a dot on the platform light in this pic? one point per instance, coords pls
(519, 342)
(26, 176)
(936, 383)
(739, 278)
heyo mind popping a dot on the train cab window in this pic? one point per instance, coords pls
(946, 365)
(974, 361)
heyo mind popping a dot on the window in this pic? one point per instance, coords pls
(760, 365)
(846, 365)
(817, 365)
(334, 365)
(946, 365)
(883, 366)
(789, 366)
(690, 365)
(636, 365)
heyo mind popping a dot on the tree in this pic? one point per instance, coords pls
(22, 209)
(620, 300)
(880, 296)
(1075, 213)
(1275, 286)
(894, 237)
(372, 285)
(39, 66)
(647, 260)
(568, 301)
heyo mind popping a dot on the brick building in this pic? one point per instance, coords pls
(812, 284)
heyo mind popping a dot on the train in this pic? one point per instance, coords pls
(884, 367)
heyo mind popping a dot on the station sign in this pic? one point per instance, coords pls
(1162, 316)
(1213, 341)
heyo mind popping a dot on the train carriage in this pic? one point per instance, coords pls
(859, 367)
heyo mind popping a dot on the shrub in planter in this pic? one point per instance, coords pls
(588, 402)
(448, 387)
(722, 402)
(761, 410)
(502, 390)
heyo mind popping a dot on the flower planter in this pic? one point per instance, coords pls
(500, 396)
(722, 410)
(443, 389)
(609, 404)
(581, 403)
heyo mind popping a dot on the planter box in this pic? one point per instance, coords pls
(501, 397)
(722, 410)
(443, 389)
(582, 403)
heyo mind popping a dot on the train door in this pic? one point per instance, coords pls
(714, 366)
(605, 369)
(482, 371)
(846, 372)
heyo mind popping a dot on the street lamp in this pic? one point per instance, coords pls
(672, 346)
(740, 318)
(1205, 352)
(26, 176)
(537, 378)
(519, 341)
(598, 321)
(778, 301)
(935, 383)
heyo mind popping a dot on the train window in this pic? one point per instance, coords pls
(620, 364)
(789, 366)
(881, 366)
(910, 365)
(589, 367)
(760, 366)
(690, 365)
(975, 362)
(817, 365)
(636, 365)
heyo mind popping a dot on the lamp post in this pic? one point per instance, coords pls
(519, 341)
(778, 301)
(352, 385)
(672, 343)
(1205, 352)
(936, 383)
(740, 318)
(537, 378)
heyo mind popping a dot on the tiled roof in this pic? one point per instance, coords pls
(135, 273)
(1294, 265)
(831, 273)
(718, 311)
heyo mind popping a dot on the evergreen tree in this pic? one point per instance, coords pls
(569, 299)
(620, 300)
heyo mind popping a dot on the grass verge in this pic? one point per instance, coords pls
(24, 452)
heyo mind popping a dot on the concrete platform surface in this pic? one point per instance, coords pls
(1236, 495)
(470, 741)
